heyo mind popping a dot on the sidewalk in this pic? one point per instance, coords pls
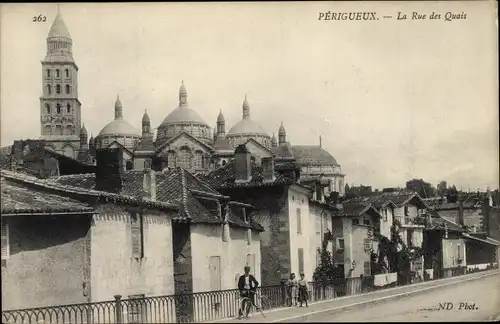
(343, 303)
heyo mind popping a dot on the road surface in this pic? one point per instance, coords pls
(481, 296)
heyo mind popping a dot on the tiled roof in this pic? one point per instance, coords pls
(81, 190)
(351, 209)
(283, 151)
(19, 198)
(313, 155)
(375, 201)
(224, 177)
(175, 186)
(438, 223)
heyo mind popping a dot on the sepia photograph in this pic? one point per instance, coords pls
(249, 162)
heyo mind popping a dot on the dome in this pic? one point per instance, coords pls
(119, 127)
(183, 115)
(145, 117)
(247, 126)
(220, 118)
(83, 130)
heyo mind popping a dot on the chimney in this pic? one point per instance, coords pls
(242, 164)
(149, 184)
(109, 170)
(268, 169)
(486, 216)
(461, 214)
(319, 140)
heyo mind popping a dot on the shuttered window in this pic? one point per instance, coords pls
(5, 241)
(299, 222)
(301, 260)
(136, 227)
(367, 268)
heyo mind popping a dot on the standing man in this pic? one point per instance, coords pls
(247, 285)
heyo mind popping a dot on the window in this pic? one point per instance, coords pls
(136, 309)
(5, 241)
(198, 160)
(385, 214)
(301, 260)
(409, 238)
(299, 222)
(47, 130)
(68, 88)
(406, 210)
(137, 236)
(49, 89)
(58, 73)
(367, 243)
(47, 108)
(58, 88)
(48, 73)
(367, 269)
(184, 158)
(355, 221)
(58, 108)
(68, 108)
(459, 254)
(339, 243)
(366, 221)
(171, 159)
(318, 256)
(129, 165)
(67, 73)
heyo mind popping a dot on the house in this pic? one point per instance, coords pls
(283, 211)
(35, 158)
(64, 244)
(444, 247)
(208, 219)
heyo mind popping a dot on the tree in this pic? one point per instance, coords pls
(326, 270)
(424, 189)
(452, 194)
(441, 188)
(398, 254)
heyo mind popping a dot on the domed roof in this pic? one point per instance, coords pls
(313, 155)
(247, 125)
(281, 130)
(183, 114)
(119, 127)
(83, 130)
(145, 117)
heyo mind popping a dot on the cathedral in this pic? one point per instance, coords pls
(183, 139)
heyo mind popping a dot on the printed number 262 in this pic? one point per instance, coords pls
(40, 18)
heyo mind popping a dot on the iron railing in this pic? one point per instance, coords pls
(188, 308)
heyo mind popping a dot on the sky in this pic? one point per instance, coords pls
(392, 99)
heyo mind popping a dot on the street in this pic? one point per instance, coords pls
(475, 300)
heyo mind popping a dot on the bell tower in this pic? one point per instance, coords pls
(60, 109)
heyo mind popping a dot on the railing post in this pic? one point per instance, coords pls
(118, 309)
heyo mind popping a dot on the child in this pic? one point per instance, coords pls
(303, 293)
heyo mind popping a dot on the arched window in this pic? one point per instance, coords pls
(59, 130)
(49, 88)
(47, 108)
(68, 108)
(47, 130)
(58, 74)
(198, 160)
(67, 73)
(67, 89)
(58, 88)
(184, 158)
(58, 108)
(48, 73)
(171, 159)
